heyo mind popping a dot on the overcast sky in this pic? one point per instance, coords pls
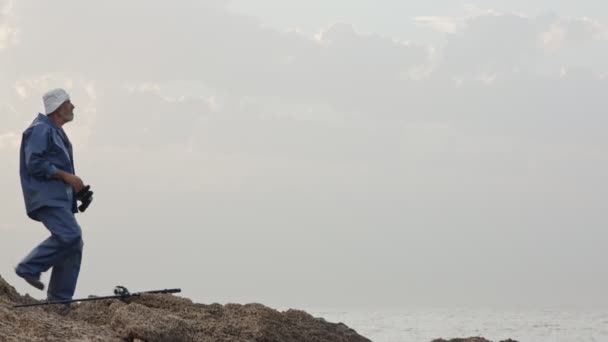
(318, 154)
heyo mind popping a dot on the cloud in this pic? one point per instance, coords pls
(9, 140)
(454, 24)
(9, 33)
(373, 136)
(236, 56)
(212, 67)
(187, 73)
(487, 42)
(568, 33)
(441, 24)
(498, 43)
(34, 86)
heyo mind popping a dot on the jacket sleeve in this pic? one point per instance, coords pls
(36, 149)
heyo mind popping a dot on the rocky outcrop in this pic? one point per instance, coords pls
(156, 318)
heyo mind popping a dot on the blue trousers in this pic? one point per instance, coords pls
(62, 251)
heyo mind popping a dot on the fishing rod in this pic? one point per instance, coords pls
(120, 292)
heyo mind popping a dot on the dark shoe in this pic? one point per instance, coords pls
(32, 280)
(59, 309)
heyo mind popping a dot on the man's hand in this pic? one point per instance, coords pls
(71, 179)
(74, 181)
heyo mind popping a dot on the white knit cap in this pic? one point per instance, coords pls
(53, 99)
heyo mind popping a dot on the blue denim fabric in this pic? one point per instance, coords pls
(62, 251)
(45, 148)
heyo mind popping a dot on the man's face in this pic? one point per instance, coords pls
(66, 111)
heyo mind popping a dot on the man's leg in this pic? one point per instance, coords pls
(65, 275)
(65, 241)
(38, 261)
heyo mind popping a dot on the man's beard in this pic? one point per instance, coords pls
(68, 116)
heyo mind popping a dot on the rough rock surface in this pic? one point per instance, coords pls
(155, 318)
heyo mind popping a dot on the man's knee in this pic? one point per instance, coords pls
(80, 244)
(73, 241)
(77, 244)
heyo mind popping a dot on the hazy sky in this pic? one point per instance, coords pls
(323, 153)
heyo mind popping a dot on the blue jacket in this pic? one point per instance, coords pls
(45, 148)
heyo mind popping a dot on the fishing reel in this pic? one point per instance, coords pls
(122, 291)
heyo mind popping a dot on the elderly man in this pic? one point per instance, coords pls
(51, 190)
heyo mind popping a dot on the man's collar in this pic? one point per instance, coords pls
(45, 118)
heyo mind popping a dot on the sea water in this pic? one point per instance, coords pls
(424, 325)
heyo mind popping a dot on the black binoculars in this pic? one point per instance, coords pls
(86, 197)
